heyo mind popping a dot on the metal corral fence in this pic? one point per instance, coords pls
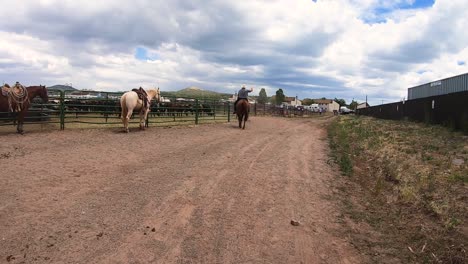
(450, 110)
(87, 109)
(75, 109)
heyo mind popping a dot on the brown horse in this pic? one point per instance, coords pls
(242, 111)
(20, 104)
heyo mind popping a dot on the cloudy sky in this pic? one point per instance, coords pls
(324, 48)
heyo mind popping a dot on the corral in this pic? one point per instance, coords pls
(102, 109)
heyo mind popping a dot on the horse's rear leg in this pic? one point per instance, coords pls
(126, 119)
(246, 116)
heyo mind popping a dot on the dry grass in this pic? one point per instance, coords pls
(408, 187)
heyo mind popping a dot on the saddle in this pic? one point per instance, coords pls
(17, 93)
(240, 99)
(143, 96)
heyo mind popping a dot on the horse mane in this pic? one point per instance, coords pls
(153, 92)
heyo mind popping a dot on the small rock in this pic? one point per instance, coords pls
(153, 230)
(10, 258)
(100, 234)
(295, 223)
(458, 162)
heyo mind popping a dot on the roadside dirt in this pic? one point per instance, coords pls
(200, 194)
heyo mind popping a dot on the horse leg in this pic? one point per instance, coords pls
(239, 118)
(127, 119)
(19, 127)
(246, 116)
(146, 117)
(143, 117)
(122, 117)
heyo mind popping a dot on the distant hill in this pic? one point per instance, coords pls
(62, 87)
(196, 92)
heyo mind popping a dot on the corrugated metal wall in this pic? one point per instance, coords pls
(448, 109)
(454, 84)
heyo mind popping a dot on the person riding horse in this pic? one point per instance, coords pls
(242, 94)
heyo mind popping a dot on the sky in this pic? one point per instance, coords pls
(346, 49)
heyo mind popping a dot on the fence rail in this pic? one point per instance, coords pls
(99, 108)
(65, 109)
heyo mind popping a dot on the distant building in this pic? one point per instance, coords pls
(362, 105)
(328, 105)
(453, 84)
(292, 101)
(164, 100)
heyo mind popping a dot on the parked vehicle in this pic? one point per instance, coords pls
(312, 107)
(345, 110)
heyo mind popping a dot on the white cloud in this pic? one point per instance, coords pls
(326, 48)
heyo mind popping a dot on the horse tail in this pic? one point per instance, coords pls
(123, 105)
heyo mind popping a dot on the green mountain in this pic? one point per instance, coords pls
(62, 87)
(195, 92)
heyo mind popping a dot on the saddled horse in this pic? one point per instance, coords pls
(242, 111)
(17, 99)
(130, 102)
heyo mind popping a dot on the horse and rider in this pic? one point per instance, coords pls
(243, 94)
(242, 106)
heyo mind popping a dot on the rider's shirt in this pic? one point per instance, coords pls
(243, 93)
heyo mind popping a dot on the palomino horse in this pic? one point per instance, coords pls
(242, 111)
(130, 102)
(17, 99)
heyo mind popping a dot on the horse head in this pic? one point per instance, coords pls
(154, 94)
(43, 93)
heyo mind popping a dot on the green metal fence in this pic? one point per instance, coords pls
(96, 109)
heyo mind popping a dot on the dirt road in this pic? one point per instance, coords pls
(204, 194)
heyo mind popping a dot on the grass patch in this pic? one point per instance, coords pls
(406, 186)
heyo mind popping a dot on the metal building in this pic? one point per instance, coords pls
(453, 84)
